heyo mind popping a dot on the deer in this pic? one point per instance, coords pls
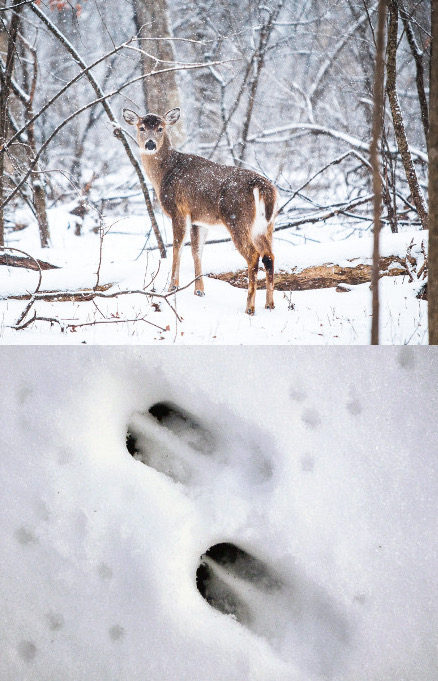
(194, 191)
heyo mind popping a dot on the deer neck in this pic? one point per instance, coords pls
(156, 165)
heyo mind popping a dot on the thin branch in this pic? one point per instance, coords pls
(316, 129)
(326, 214)
(14, 7)
(74, 326)
(336, 161)
(35, 293)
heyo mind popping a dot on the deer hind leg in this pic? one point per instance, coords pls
(179, 227)
(244, 245)
(197, 236)
(251, 255)
(263, 245)
(253, 266)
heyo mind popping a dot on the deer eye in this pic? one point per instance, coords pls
(141, 128)
(160, 129)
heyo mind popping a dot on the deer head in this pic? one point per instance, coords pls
(151, 129)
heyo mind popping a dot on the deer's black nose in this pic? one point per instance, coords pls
(150, 145)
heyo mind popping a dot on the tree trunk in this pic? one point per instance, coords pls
(161, 92)
(432, 285)
(4, 96)
(375, 161)
(39, 196)
(418, 56)
(397, 117)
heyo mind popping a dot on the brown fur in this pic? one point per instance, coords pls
(193, 189)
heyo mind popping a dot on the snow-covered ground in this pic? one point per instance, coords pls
(321, 316)
(313, 474)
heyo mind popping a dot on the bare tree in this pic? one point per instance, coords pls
(432, 286)
(37, 183)
(418, 55)
(397, 117)
(375, 161)
(4, 98)
(161, 93)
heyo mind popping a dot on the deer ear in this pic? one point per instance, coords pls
(130, 116)
(172, 116)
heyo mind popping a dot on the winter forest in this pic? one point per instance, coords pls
(287, 89)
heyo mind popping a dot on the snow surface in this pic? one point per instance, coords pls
(319, 464)
(321, 316)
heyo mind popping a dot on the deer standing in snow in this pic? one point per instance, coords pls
(195, 191)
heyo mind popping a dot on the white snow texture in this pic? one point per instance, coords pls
(296, 489)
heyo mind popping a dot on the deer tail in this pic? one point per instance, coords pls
(265, 201)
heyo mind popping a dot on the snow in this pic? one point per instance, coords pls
(322, 316)
(318, 466)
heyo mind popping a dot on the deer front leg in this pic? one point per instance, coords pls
(179, 227)
(197, 237)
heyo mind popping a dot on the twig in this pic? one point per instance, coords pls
(337, 160)
(35, 293)
(408, 265)
(13, 7)
(90, 294)
(54, 320)
(327, 214)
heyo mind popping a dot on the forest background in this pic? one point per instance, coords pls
(286, 88)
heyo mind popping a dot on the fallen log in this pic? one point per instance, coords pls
(326, 275)
(27, 262)
(77, 296)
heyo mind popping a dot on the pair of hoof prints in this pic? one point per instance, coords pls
(295, 615)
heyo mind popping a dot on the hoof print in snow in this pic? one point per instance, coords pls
(183, 425)
(299, 620)
(174, 442)
(169, 440)
(225, 574)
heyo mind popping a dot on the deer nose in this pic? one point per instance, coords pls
(150, 145)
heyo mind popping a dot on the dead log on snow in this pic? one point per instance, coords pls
(28, 263)
(326, 275)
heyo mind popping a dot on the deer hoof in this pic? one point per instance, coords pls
(250, 310)
(270, 306)
(172, 287)
(199, 293)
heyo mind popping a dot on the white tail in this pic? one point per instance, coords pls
(193, 190)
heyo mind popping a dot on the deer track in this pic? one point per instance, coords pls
(299, 620)
(174, 442)
(295, 615)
